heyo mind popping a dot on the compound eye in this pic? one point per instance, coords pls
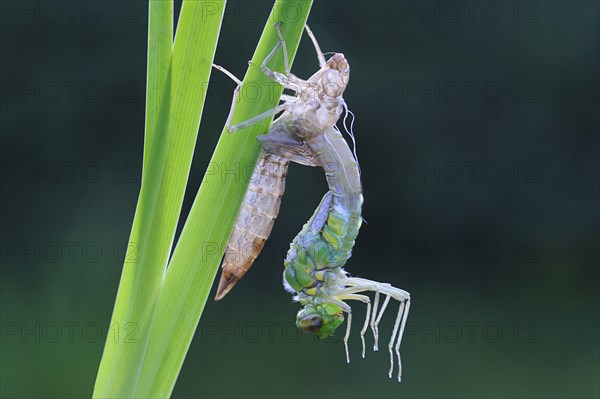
(310, 323)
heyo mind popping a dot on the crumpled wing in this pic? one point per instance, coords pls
(289, 148)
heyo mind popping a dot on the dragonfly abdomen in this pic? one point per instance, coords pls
(325, 243)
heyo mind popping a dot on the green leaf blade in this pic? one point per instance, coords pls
(168, 155)
(200, 248)
(160, 46)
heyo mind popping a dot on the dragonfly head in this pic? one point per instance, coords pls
(321, 320)
(336, 76)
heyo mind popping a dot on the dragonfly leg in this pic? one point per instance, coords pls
(367, 300)
(348, 326)
(251, 121)
(286, 61)
(392, 339)
(255, 119)
(276, 76)
(320, 55)
(288, 98)
(361, 288)
(236, 93)
(400, 334)
(226, 72)
(287, 80)
(373, 317)
(360, 284)
(385, 288)
(376, 323)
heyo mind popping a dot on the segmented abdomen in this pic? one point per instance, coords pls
(254, 223)
(326, 241)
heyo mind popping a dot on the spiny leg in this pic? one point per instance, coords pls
(276, 76)
(287, 80)
(320, 55)
(367, 300)
(286, 62)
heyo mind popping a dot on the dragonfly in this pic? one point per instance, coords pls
(314, 273)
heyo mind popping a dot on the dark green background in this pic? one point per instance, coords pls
(482, 254)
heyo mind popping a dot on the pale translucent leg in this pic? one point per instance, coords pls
(348, 327)
(398, 294)
(400, 334)
(367, 300)
(253, 120)
(290, 82)
(276, 76)
(288, 98)
(355, 289)
(366, 285)
(287, 80)
(383, 307)
(392, 339)
(226, 72)
(236, 92)
(286, 61)
(373, 317)
(257, 118)
(320, 55)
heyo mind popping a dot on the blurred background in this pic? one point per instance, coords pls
(477, 132)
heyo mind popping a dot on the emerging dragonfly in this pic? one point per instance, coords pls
(306, 133)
